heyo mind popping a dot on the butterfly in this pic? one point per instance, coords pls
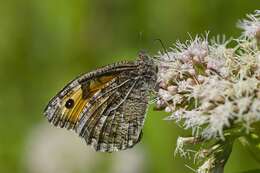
(107, 107)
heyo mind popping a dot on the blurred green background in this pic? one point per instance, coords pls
(44, 44)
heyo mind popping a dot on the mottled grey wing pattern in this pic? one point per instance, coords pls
(106, 107)
(115, 119)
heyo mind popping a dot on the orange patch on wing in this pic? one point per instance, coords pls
(68, 114)
(100, 82)
(71, 115)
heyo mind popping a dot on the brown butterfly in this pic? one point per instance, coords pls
(107, 106)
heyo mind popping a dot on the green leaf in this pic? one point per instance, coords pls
(252, 143)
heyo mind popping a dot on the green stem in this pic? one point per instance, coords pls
(222, 156)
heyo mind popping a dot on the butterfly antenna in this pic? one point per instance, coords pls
(163, 46)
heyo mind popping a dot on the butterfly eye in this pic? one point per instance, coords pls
(69, 104)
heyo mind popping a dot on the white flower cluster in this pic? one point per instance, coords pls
(251, 26)
(212, 86)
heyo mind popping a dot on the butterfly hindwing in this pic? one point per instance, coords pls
(114, 122)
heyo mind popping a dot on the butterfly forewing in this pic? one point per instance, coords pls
(106, 107)
(86, 86)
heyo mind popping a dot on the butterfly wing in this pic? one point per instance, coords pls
(106, 107)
